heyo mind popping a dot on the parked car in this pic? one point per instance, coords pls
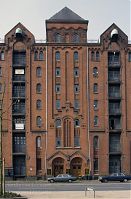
(62, 178)
(115, 177)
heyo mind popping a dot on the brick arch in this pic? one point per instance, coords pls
(76, 166)
(57, 166)
(19, 46)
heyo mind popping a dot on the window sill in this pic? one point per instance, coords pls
(75, 147)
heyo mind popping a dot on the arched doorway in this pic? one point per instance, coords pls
(57, 166)
(76, 166)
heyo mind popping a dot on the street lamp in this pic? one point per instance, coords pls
(2, 179)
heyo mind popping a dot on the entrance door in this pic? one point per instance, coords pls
(115, 164)
(76, 165)
(57, 166)
(19, 166)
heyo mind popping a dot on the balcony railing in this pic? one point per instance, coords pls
(114, 111)
(19, 148)
(18, 94)
(19, 78)
(115, 149)
(114, 94)
(115, 127)
(114, 78)
(114, 63)
(19, 110)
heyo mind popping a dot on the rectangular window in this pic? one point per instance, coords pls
(0, 71)
(57, 72)
(19, 58)
(76, 137)
(19, 144)
(95, 165)
(129, 56)
(95, 120)
(57, 88)
(95, 104)
(114, 144)
(58, 137)
(58, 104)
(76, 104)
(76, 72)
(38, 164)
(76, 88)
(95, 88)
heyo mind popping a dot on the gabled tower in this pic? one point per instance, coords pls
(67, 83)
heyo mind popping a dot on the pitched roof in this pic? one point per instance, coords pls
(66, 15)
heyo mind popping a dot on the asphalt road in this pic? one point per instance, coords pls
(77, 186)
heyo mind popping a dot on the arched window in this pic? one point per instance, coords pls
(75, 56)
(76, 133)
(58, 38)
(38, 142)
(38, 88)
(2, 55)
(93, 56)
(58, 123)
(57, 56)
(76, 38)
(58, 132)
(95, 71)
(38, 105)
(97, 56)
(39, 121)
(38, 72)
(35, 55)
(67, 132)
(41, 56)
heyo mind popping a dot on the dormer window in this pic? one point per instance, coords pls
(114, 35)
(18, 33)
(2, 57)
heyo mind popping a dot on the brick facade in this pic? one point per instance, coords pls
(66, 103)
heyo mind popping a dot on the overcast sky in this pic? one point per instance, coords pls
(33, 13)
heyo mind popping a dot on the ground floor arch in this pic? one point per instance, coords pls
(57, 166)
(76, 166)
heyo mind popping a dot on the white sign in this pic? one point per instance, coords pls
(19, 71)
(19, 126)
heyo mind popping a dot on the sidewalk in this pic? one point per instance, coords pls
(78, 195)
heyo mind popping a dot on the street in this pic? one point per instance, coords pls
(77, 186)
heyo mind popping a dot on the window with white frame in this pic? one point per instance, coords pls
(76, 88)
(57, 72)
(76, 72)
(57, 88)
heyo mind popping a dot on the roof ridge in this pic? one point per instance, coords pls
(66, 14)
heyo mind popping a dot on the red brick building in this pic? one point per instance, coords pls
(66, 102)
